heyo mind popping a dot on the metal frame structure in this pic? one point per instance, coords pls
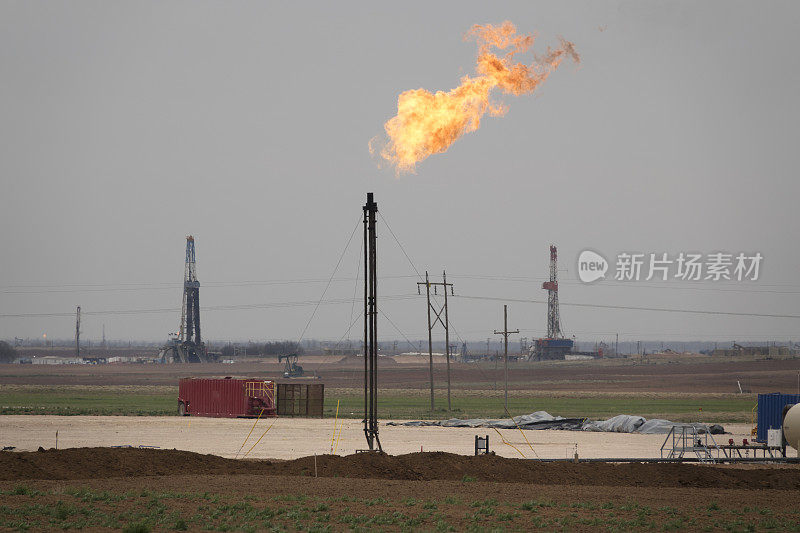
(481, 445)
(554, 345)
(553, 316)
(371, 325)
(445, 323)
(190, 313)
(188, 347)
(687, 439)
(290, 367)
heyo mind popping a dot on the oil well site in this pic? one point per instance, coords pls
(370, 267)
(545, 436)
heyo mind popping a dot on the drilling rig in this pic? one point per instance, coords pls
(187, 346)
(554, 346)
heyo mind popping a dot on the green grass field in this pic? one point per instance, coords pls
(677, 409)
(162, 401)
(141, 511)
(87, 400)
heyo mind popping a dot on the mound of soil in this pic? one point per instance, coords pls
(430, 466)
(93, 463)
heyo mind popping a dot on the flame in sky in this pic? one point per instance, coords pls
(428, 123)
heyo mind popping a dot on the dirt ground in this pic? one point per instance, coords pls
(145, 490)
(288, 438)
(96, 463)
(274, 488)
(695, 375)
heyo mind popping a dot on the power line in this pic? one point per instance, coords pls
(381, 311)
(670, 284)
(630, 307)
(171, 286)
(693, 283)
(400, 245)
(402, 248)
(133, 286)
(274, 305)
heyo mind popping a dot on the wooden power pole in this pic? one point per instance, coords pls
(78, 333)
(444, 322)
(505, 333)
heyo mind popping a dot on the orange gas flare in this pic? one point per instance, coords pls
(428, 123)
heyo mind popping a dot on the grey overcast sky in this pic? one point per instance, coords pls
(125, 126)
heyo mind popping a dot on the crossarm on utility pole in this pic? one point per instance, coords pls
(438, 312)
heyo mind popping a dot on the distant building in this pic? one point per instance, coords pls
(53, 360)
(753, 350)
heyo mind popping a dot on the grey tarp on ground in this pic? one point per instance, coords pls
(617, 424)
(659, 425)
(639, 424)
(537, 420)
(544, 420)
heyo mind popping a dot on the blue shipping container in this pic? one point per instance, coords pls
(559, 343)
(770, 411)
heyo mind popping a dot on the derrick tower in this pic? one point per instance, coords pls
(190, 314)
(187, 346)
(554, 345)
(553, 318)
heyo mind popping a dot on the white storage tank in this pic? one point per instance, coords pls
(791, 426)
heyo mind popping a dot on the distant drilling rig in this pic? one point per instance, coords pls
(554, 346)
(187, 346)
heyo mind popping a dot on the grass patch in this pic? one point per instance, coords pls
(87, 400)
(137, 511)
(392, 404)
(683, 409)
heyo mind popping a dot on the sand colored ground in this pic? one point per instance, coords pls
(293, 438)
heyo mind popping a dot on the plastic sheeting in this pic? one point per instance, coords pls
(537, 420)
(544, 420)
(617, 424)
(639, 424)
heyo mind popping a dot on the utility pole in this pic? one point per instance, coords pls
(505, 333)
(104, 337)
(445, 323)
(78, 333)
(430, 338)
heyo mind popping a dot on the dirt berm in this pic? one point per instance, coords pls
(92, 463)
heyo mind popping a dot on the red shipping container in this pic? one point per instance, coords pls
(227, 397)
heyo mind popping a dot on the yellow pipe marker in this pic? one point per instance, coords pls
(337, 438)
(506, 442)
(523, 434)
(334, 424)
(248, 435)
(259, 438)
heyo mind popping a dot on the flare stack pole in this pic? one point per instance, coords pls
(371, 325)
